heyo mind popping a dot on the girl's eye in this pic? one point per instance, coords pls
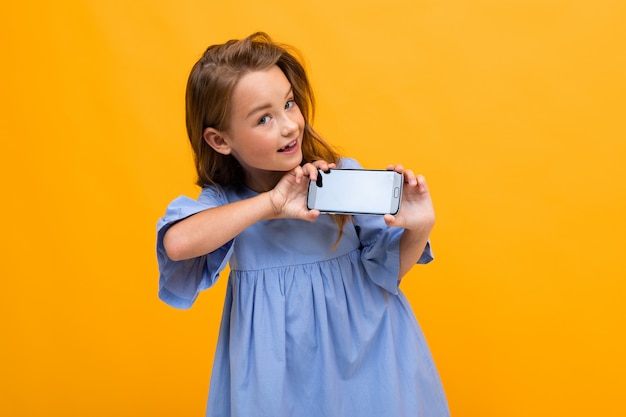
(290, 104)
(264, 120)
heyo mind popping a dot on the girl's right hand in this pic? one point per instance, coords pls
(288, 198)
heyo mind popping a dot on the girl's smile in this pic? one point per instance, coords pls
(290, 148)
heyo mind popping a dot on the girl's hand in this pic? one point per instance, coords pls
(416, 211)
(288, 198)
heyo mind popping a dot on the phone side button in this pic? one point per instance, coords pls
(396, 192)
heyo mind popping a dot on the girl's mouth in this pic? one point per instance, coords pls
(289, 147)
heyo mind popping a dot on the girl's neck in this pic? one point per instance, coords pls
(263, 183)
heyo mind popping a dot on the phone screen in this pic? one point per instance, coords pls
(356, 191)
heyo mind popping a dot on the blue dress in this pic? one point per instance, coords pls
(308, 330)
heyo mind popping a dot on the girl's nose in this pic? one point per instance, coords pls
(288, 126)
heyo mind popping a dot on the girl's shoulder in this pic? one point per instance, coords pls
(216, 194)
(348, 163)
(212, 193)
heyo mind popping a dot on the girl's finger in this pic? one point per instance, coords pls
(323, 165)
(421, 183)
(390, 219)
(310, 171)
(299, 173)
(409, 177)
(395, 167)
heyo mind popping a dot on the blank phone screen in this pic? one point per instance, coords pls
(356, 191)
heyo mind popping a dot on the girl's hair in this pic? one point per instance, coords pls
(208, 102)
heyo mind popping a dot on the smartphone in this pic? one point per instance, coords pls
(356, 191)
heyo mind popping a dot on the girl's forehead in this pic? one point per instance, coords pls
(264, 86)
(262, 79)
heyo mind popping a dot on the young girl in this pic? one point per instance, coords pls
(314, 323)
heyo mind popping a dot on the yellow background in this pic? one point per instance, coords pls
(514, 111)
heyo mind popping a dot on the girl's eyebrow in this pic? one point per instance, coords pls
(267, 105)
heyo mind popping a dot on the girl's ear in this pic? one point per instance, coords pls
(215, 139)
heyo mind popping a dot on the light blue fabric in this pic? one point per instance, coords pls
(307, 330)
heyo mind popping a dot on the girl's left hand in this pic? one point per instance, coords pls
(416, 210)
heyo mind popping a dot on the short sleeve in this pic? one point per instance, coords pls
(427, 254)
(180, 282)
(380, 254)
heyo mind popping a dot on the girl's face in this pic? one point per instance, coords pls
(266, 128)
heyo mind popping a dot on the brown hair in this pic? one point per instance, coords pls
(208, 99)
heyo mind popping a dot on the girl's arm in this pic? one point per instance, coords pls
(208, 230)
(412, 244)
(416, 216)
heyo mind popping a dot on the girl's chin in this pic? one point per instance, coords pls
(295, 160)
